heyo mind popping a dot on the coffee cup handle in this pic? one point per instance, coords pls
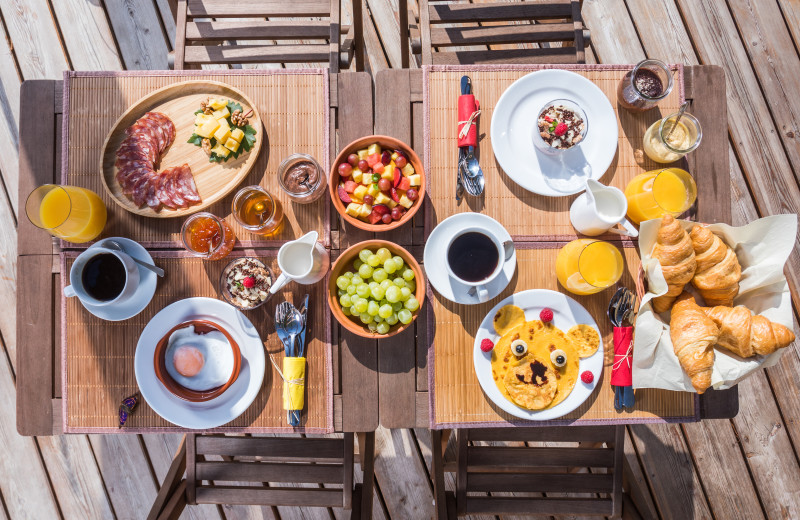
(482, 293)
(628, 229)
(69, 292)
(279, 283)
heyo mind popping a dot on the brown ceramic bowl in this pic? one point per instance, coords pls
(345, 263)
(195, 396)
(385, 142)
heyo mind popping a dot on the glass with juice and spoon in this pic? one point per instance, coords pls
(256, 210)
(207, 236)
(71, 213)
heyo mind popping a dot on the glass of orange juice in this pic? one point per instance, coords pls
(587, 266)
(655, 193)
(68, 212)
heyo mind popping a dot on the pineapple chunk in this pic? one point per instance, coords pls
(222, 134)
(364, 210)
(405, 201)
(408, 170)
(352, 209)
(373, 149)
(221, 150)
(218, 104)
(366, 179)
(415, 179)
(362, 154)
(391, 204)
(221, 114)
(395, 155)
(357, 175)
(237, 134)
(388, 172)
(373, 190)
(360, 192)
(382, 199)
(231, 144)
(207, 129)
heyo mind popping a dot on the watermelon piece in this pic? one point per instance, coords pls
(378, 168)
(381, 209)
(404, 184)
(374, 217)
(395, 196)
(397, 177)
(343, 194)
(350, 186)
(373, 159)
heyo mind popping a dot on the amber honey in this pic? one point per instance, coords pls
(208, 236)
(256, 210)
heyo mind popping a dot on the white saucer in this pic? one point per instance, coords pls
(435, 256)
(566, 313)
(236, 399)
(144, 293)
(514, 121)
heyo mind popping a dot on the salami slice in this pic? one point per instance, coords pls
(159, 182)
(186, 185)
(171, 187)
(150, 198)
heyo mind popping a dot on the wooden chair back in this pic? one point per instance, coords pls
(531, 471)
(265, 471)
(530, 31)
(266, 31)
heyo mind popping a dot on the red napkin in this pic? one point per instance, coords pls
(621, 373)
(468, 105)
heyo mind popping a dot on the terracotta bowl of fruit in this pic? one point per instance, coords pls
(390, 305)
(377, 183)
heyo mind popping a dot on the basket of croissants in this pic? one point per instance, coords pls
(721, 295)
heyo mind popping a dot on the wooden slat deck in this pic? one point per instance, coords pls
(742, 468)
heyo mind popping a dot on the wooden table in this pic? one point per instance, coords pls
(399, 113)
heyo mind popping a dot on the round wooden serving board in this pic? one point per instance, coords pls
(179, 101)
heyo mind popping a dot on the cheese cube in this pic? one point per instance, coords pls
(382, 199)
(408, 170)
(221, 114)
(360, 192)
(373, 149)
(405, 201)
(217, 104)
(231, 144)
(207, 129)
(352, 209)
(357, 175)
(362, 154)
(237, 134)
(201, 118)
(221, 150)
(415, 179)
(388, 172)
(364, 210)
(222, 134)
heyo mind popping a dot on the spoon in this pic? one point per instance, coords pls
(293, 325)
(677, 119)
(469, 166)
(110, 244)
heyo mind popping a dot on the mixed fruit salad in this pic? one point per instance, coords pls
(378, 186)
(379, 292)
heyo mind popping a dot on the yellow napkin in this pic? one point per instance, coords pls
(294, 379)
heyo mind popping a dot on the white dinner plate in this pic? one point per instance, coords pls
(435, 256)
(514, 121)
(236, 399)
(566, 313)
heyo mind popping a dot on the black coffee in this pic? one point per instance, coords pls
(473, 256)
(104, 277)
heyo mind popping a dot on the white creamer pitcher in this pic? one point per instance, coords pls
(304, 261)
(599, 209)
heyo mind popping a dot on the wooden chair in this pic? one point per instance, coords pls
(528, 31)
(254, 29)
(497, 479)
(256, 471)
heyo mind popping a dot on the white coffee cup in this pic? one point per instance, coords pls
(304, 261)
(599, 209)
(76, 277)
(479, 287)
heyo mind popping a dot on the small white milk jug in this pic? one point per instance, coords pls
(304, 261)
(599, 209)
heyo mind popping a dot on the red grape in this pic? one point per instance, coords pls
(386, 157)
(345, 169)
(363, 165)
(397, 213)
(387, 218)
(369, 199)
(352, 159)
(412, 194)
(401, 161)
(384, 184)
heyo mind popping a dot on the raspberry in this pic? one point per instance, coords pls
(487, 345)
(249, 282)
(561, 129)
(546, 315)
(548, 119)
(587, 377)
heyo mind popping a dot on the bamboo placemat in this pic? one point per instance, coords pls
(294, 106)
(97, 356)
(525, 215)
(456, 397)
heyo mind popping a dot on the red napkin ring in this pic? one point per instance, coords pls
(621, 370)
(468, 112)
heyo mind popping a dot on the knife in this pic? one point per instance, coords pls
(293, 416)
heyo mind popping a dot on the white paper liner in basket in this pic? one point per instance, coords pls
(762, 246)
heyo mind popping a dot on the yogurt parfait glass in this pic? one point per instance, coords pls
(561, 125)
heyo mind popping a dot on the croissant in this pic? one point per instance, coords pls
(718, 270)
(747, 335)
(693, 335)
(675, 253)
